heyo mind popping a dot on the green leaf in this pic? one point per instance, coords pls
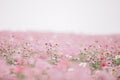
(118, 62)
(20, 76)
(96, 65)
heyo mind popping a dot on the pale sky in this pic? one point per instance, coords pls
(79, 16)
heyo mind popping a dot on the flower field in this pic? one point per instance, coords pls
(58, 56)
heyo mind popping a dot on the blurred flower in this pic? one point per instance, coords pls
(83, 64)
(117, 56)
(103, 64)
(102, 58)
(18, 69)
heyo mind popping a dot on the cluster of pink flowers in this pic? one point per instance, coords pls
(52, 56)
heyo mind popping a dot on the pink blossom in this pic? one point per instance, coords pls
(103, 75)
(18, 69)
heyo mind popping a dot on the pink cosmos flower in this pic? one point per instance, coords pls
(18, 69)
(77, 72)
(103, 64)
(103, 75)
(63, 64)
(102, 58)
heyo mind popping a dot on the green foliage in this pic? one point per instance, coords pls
(20, 76)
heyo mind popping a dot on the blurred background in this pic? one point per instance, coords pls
(76, 16)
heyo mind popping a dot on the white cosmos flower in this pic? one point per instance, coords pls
(83, 64)
(117, 56)
(70, 69)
